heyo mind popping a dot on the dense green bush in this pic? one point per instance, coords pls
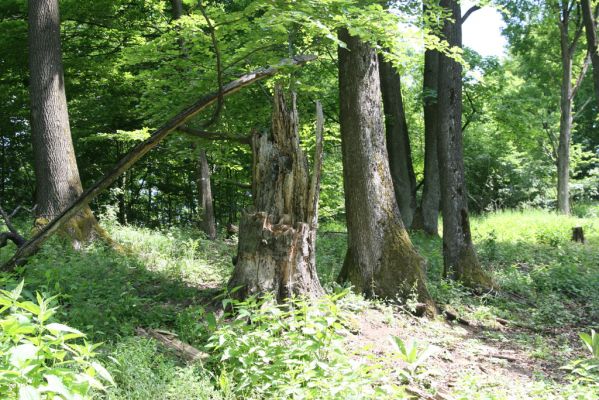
(142, 372)
(291, 351)
(41, 359)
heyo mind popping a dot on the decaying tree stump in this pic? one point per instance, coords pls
(578, 234)
(276, 251)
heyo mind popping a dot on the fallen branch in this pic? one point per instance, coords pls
(13, 235)
(32, 245)
(215, 135)
(502, 357)
(170, 341)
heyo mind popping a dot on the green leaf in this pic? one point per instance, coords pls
(16, 292)
(103, 372)
(29, 306)
(19, 355)
(55, 385)
(56, 328)
(28, 393)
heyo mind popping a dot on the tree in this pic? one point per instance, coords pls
(277, 242)
(57, 176)
(207, 223)
(568, 44)
(427, 213)
(380, 259)
(459, 257)
(590, 27)
(398, 142)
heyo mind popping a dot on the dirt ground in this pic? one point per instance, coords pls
(508, 360)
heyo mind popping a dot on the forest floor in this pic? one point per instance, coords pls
(510, 344)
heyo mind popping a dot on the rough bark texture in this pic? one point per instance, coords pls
(398, 142)
(57, 176)
(381, 260)
(568, 50)
(459, 256)
(428, 212)
(565, 127)
(206, 211)
(277, 243)
(590, 26)
(138, 152)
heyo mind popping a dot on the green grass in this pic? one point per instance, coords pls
(168, 280)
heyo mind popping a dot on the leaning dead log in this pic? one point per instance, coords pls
(33, 244)
(277, 242)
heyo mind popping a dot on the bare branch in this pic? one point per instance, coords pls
(583, 71)
(215, 135)
(581, 109)
(13, 235)
(469, 12)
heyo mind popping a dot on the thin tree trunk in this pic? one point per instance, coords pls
(565, 126)
(206, 211)
(121, 199)
(428, 212)
(55, 165)
(277, 243)
(459, 256)
(398, 142)
(381, 260)
(590, 26)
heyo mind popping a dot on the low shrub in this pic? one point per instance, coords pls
(42, 359)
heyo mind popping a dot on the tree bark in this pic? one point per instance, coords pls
(138, 152)
(459, 257)
(277, 242)
(590, 26)
(398, 142)
(55, 165)
(177, 8)
(381, 260)
(428, 212)
(565, 126)
(206, 211)
(568, 91)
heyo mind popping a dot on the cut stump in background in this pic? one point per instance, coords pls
(578, 234)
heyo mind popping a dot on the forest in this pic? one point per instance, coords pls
(308, 199)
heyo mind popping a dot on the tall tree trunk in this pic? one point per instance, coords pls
(398, 142)
(177, 8)
(428, 212)
(459, 257)
(57, 176)
(206, 211)
(565, 126)
(590, 26)
(380, 260)
(277, 243)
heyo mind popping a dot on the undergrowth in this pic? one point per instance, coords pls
(169, 280)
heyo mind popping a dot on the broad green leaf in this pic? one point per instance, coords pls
(56, 328)
(28, 393)
(19, 355)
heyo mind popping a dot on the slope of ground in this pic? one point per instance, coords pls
(508, 345)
